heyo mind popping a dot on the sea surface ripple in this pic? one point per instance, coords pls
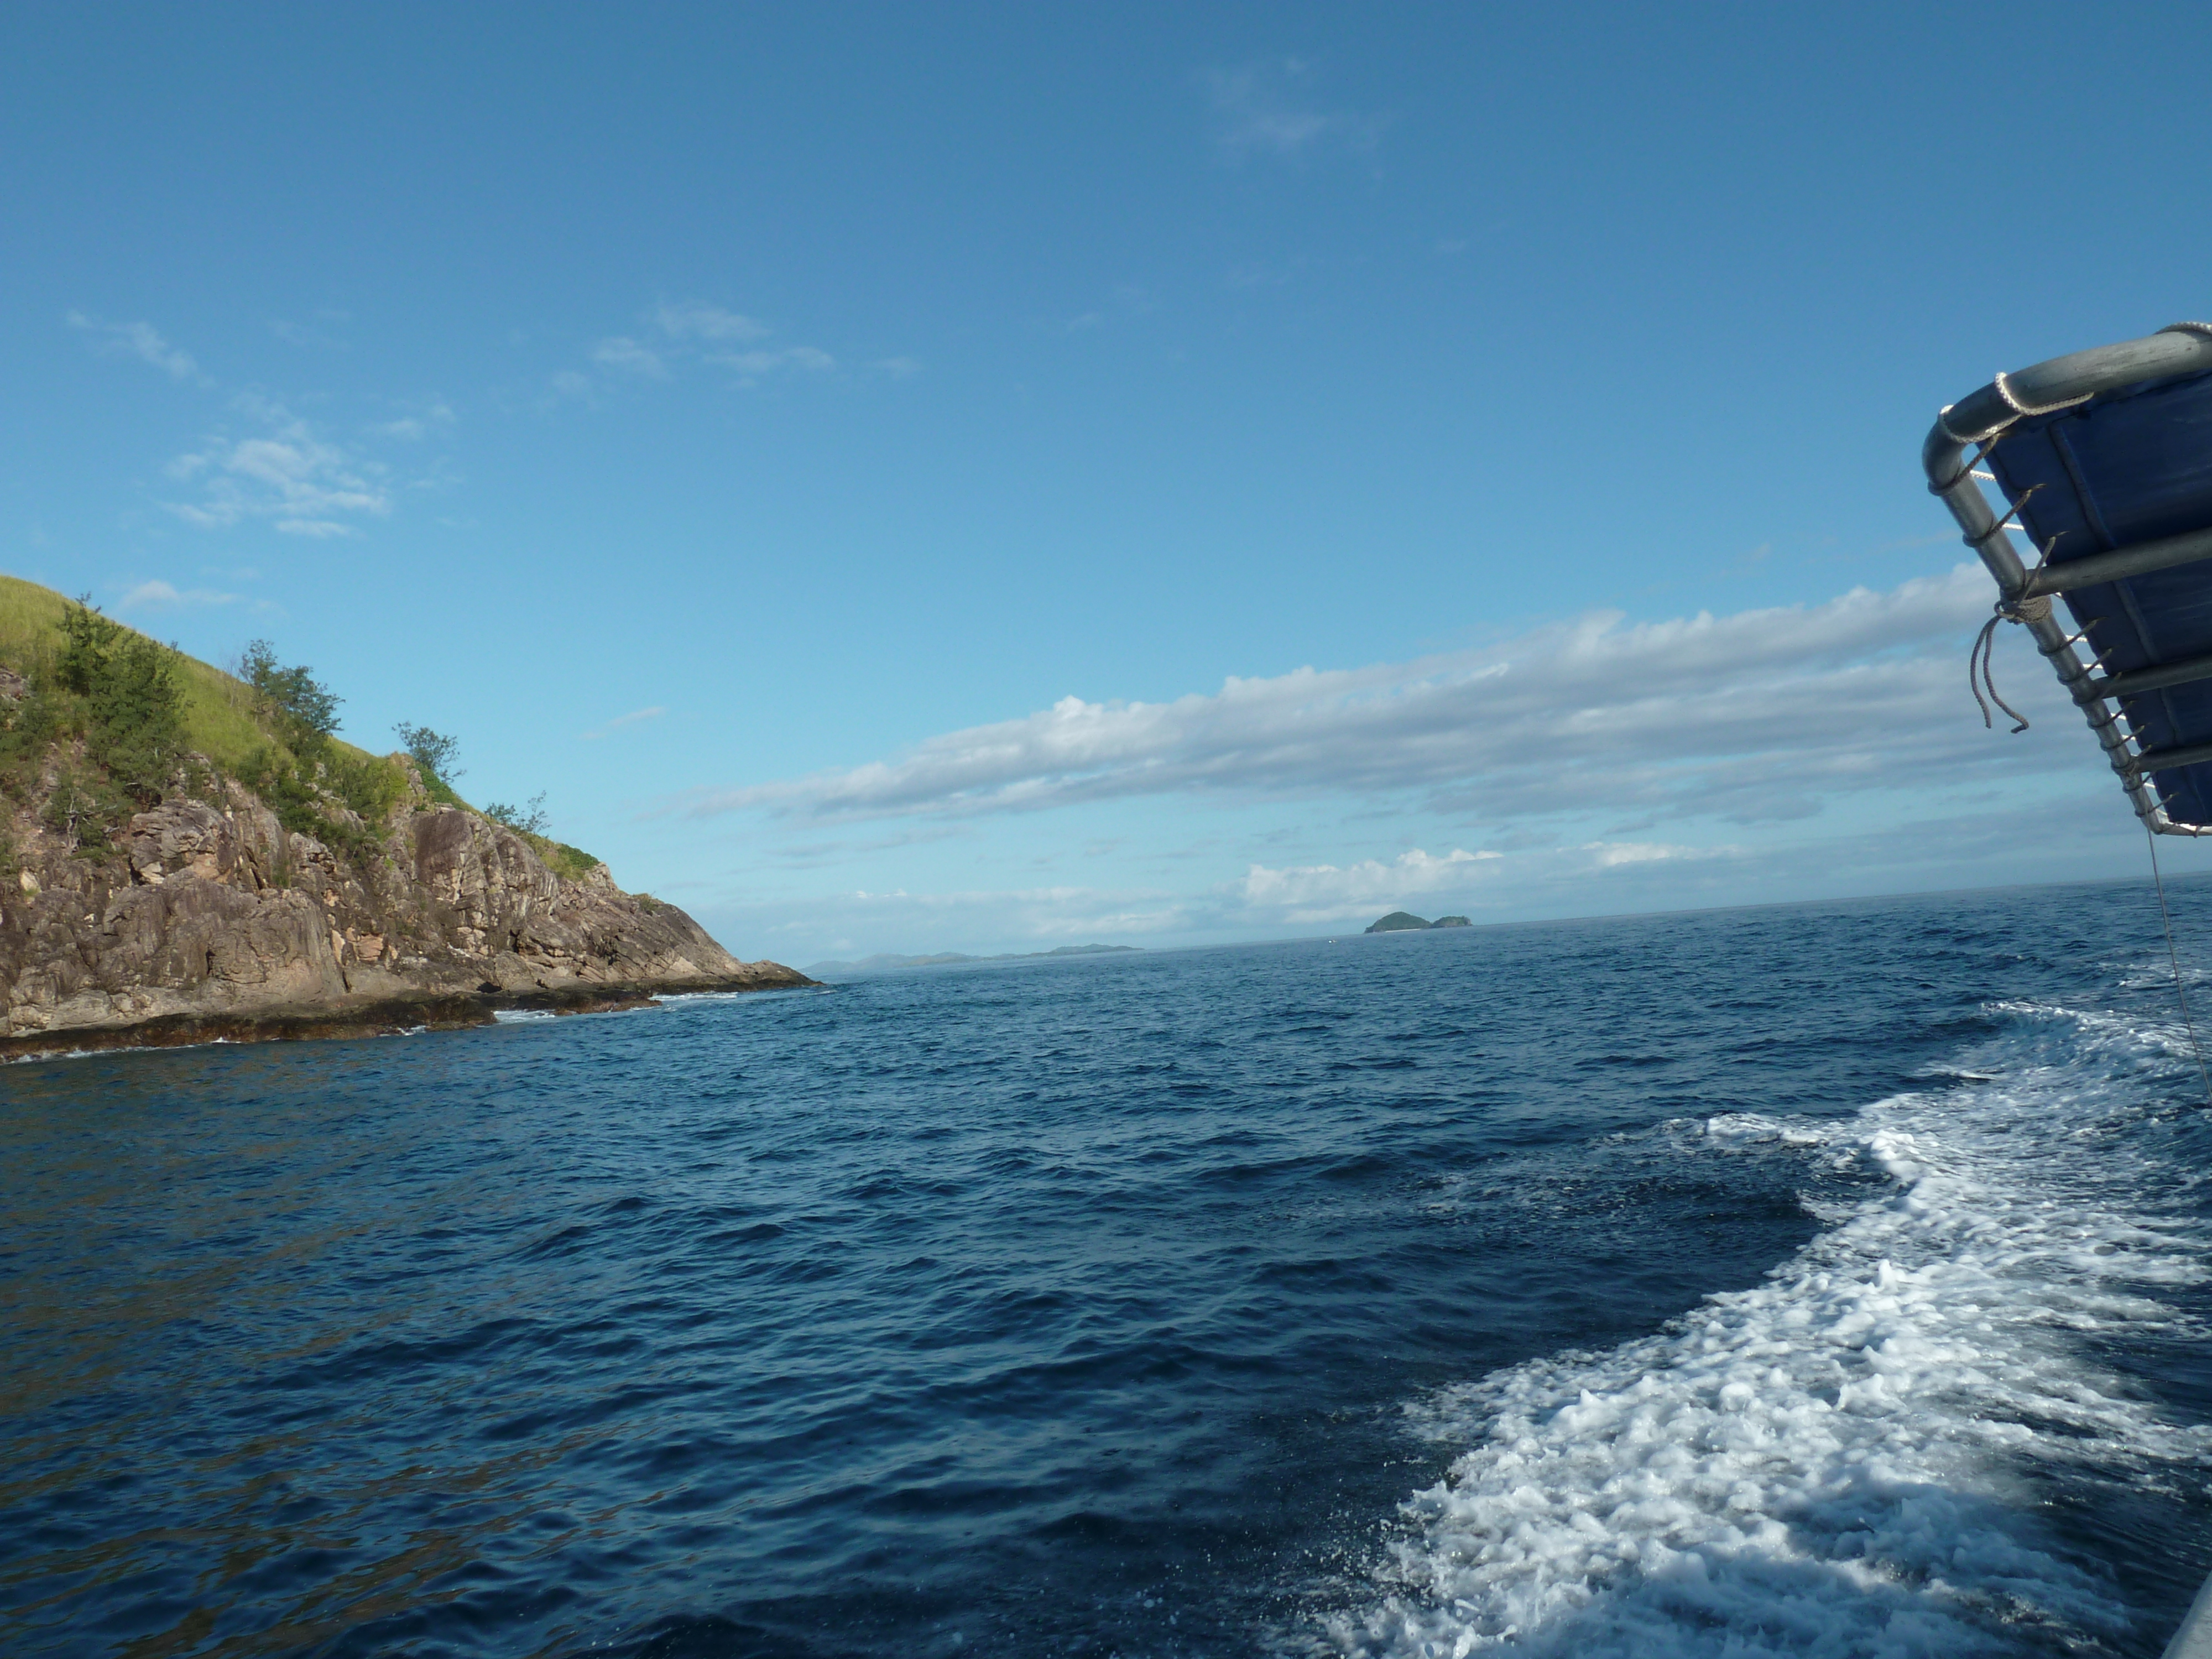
(1826, 1279)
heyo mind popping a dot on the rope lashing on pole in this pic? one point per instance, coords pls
(1980, 677)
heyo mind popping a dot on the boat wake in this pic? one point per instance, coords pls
(1873, 1451)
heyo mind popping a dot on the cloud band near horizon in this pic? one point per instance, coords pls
(1756, 716)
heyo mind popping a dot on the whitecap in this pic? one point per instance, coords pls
(1842, 1460)
(1733, 1129)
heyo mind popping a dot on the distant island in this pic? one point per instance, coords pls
(883, 961)
(1404, 921)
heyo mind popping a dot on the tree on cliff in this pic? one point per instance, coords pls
(132, 711)
(114, 691)
(299, 773)
(531, 820)
(433, 751)
(304, 711)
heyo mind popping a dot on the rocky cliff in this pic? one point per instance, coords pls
(204, 917)
(188, 853)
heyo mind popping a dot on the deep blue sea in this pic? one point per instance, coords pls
(1829, 1280)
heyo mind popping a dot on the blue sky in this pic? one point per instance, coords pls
(992, 477)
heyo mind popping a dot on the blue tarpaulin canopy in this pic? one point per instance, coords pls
(2105, 457)
(2132, 467)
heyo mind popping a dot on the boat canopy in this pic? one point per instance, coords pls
(2105, 460)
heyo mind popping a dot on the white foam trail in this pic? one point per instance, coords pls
(1844, 1459)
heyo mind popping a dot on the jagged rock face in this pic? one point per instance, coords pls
(210, 908)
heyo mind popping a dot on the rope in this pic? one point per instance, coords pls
(2002, 385)
(2020, 406)
(1962, 439)
(2011, 513)
(1979, 676)
(2173, 956)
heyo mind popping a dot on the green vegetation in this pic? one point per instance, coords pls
(1398, 921)
(215, 708)
(118, 695)
(305, 766)
(28, 726)
(531, 823)
(1404, 922)
(433, 753)
(303, 711)
(120, 718)
(131, 713)
(573, 863)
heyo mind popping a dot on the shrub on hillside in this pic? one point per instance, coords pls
(132, 709)
(529, 821)
(304, 775)
(370, 785)
(85, 809)
(571, 863)
(301, 710)
(27, 728)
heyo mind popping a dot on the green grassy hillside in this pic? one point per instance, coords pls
(218, 708)
(300, 767)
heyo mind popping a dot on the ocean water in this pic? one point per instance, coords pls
(1826, 1280)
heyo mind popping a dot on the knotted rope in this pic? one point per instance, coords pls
(2019, 406)
(1979, 675)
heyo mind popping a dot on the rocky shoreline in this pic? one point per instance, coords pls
(209, 921)
(396, 1017)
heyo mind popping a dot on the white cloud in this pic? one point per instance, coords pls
(626, 355)
(138, 340)
(162, 596)
(1266, 108)
(1124, 302)
(764, 363)
(695, 332)
(696, 320)
(289, 475)
(1759, 715)
(1612, 855)
(305, 336)
(633, 718)
(437, 416)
